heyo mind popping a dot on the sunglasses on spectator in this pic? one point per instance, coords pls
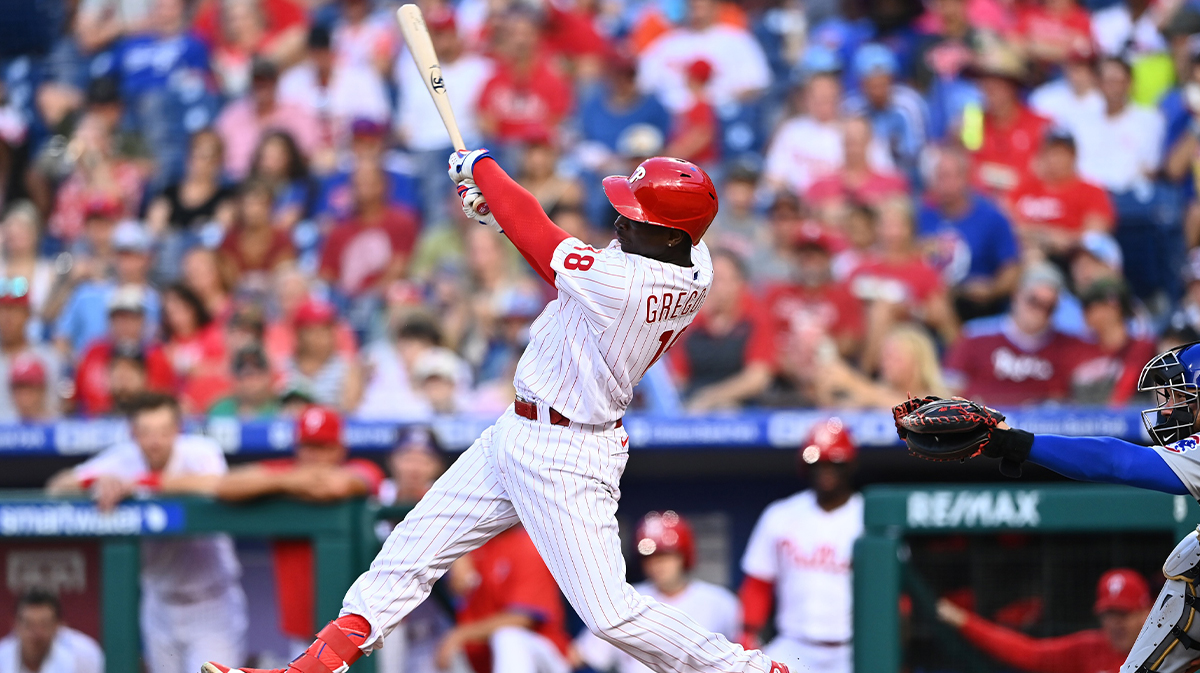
(14, 287)
(1034, 302)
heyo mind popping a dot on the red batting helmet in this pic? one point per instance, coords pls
(829, 442)
(668, 192)
(666, 532)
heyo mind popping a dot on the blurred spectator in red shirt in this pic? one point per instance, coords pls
(526, 97)
(1052, 208)
(15, 348)
(856, 180)
(254, 248)
(29, 390)
(293, 289)
(1023, 360)
(740, 68)
(512, 613)
(727, 357)
(908, 367)
(238, 31)
(194, 345)
(1050, 31)
(696, 131)
(811, 308)
(332, 378)
(370, 250)
(94, 387)
(1122, 604)
(104, 166)
(245, 121)
(1108, 372)
(320, 472)
(1010, 133)
(897, 283)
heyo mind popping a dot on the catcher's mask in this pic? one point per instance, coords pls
(1172, 377)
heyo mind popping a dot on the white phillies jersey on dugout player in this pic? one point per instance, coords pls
(713, 607)
(806, 552)
(615, 315)
(174, 566)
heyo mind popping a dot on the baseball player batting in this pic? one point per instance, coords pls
(1169, 641)
(553, 461)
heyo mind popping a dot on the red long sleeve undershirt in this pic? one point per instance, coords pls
(520, 216)
(1082, 652)
(756, 596)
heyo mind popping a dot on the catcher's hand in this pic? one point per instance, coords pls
(946, 429)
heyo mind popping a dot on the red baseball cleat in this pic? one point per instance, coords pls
(214, 667)
(776, 667)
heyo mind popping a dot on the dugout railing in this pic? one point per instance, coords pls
(895, 515)
(342, 534)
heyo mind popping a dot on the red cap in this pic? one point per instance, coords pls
(666, 192)
(318, 425)
(700, 70)
(102, 206)
(440, 18)
(314, 312)
(814, 235)
(666, 532)
(829, 442)
(27, 370)
(1123, 590)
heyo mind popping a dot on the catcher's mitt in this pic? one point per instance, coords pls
(945, 429)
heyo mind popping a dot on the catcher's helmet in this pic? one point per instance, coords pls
(829, 442)
(668, 192)
(1174, 378)
(666, 532)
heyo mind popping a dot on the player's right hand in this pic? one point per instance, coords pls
(475, 206)
(462, 163)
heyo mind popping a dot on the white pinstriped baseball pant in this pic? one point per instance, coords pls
(563, 485)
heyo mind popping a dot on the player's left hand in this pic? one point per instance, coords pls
(475, 206)
(462, 163)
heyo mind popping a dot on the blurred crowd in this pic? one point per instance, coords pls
(243, 203)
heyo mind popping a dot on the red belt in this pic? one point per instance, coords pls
(529, 410)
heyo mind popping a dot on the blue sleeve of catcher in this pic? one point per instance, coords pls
(1106, 460)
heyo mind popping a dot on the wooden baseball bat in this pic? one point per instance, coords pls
(416, 34)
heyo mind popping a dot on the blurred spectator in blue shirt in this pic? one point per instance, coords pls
(897, 112)
(167, 86)
(85, 316)
(968, 238)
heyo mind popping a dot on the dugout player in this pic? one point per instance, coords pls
(319, 472)
(667, 548)
(1170, 640)
(799, 557)
(1122, 603)
(511, 617)
(41, 643)
(192, 599)
(553, 461)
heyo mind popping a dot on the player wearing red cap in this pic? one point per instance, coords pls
(667, 548)
(553, 461)
(319, 472)
(799, 557)
(1122, 604)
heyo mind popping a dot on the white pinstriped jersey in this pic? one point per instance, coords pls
(615, 315)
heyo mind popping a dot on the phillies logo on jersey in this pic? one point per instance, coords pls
(1010, 366)
(822, 557)
(1043, 208)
